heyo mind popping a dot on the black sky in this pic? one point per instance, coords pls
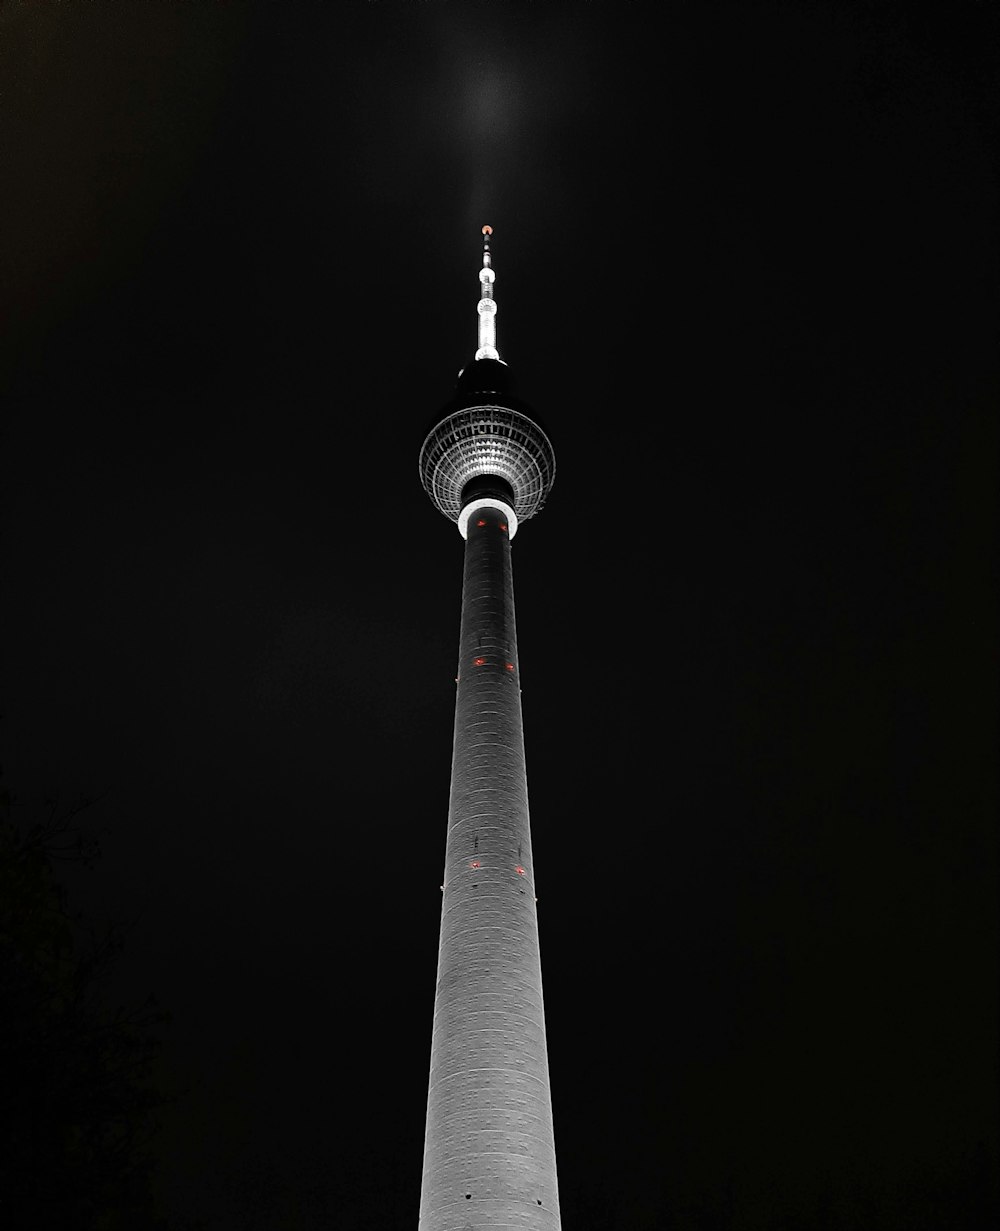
(746, 271)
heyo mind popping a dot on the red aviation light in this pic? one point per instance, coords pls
(481, 522)
(479, 662)
(503, 525)
(475, 864)
(519, 870)
(509, 666)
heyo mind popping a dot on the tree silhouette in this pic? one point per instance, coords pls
(77, 1100)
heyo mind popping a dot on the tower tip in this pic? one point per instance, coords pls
(487, 230)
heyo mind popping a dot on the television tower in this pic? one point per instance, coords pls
(489, 1152)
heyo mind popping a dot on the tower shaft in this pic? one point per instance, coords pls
(489, 1154)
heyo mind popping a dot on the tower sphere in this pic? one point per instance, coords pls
(487, 439)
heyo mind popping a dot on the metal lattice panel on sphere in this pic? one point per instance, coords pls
(487, 440)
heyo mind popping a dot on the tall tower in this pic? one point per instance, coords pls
(489, 1153)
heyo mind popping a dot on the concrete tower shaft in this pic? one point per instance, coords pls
(489, 1153)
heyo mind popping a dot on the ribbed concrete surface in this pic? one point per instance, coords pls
(489, 1155)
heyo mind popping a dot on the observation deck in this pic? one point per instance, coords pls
(489, 439)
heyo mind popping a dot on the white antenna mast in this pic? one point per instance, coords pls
(487, 304)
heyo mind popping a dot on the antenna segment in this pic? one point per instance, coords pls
(487, 308)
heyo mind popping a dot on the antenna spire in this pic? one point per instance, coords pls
(487, 304)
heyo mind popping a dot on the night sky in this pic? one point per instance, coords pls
(746, 263)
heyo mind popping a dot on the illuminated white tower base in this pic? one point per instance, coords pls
(489, 1151)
